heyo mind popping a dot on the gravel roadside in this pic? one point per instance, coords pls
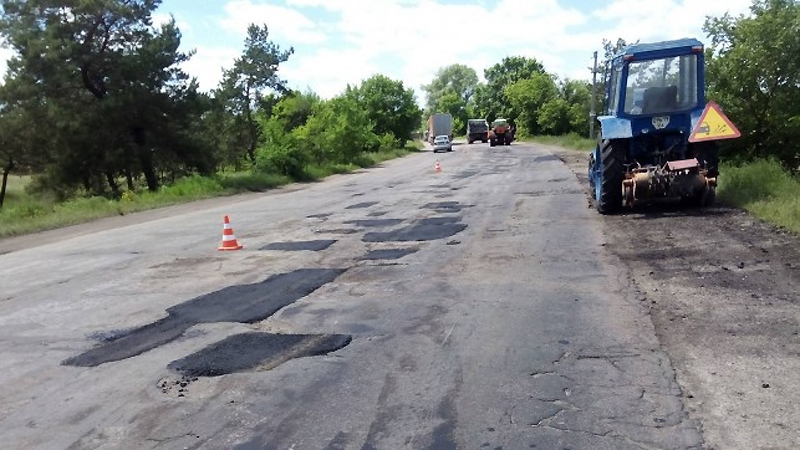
(722, 288)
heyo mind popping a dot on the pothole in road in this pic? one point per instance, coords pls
(299, 246)
(369, 223)
(243, 352)
(384, 254)
(362, 205)
(247, 303)
(425, 230)
(467, 174)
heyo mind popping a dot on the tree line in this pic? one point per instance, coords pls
(94, 102)
(518, 89)
(752, 71)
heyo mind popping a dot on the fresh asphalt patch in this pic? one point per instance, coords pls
(243, 352)
(546, 158)
(299, 246)
(362, 205)
(338, 231)
(430, 229)
(369, 223)
(445, 207)
(390, 253)
(247, 303)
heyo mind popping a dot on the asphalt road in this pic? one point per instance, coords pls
(398, 307)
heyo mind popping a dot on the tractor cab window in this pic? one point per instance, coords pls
(613, 87)
(661, 85)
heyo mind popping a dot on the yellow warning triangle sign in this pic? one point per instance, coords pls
(713, 126)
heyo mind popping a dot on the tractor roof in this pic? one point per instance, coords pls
(656, 49)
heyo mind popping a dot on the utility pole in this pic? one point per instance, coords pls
(593, 113)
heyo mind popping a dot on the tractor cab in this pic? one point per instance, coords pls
(663, 78)
(654, 98)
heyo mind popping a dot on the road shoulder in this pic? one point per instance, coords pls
(721, 287)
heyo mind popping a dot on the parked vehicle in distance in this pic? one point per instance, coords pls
(501, 133)
(442, 143)
(440, 124)
(477, 130)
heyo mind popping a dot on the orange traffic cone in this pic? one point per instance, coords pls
(228, 239)
(437, 167)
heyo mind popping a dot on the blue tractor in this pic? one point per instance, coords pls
(654, 101)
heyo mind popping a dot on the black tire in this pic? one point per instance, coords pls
(701, 199)
(485, 141)
(708, 155)
(612, 160)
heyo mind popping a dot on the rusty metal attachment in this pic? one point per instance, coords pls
(682, 178)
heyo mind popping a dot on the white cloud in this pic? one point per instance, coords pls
(207, 65)
(160, 19)
(421, 36)
(411, 39)
(327, 71)
(5, 55)
(285, 24)
(664, 19)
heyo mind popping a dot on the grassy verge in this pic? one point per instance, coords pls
(765, 189)
(570, 141)
(23, 213)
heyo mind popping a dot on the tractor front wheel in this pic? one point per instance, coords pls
(609, 189)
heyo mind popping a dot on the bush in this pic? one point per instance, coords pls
(765, 188)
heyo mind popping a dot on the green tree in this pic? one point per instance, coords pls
(527, 97)
(245, 85)
(390, 106)
(753, 72)
(21, 144)
(491, 100)
(578, 96)
(106, 79)
(452, 91)
(457, 79)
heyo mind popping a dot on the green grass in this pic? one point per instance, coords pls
(23, 213)
(570, 141)
(15, 191)
(765, 189)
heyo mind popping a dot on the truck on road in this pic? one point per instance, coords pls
(477, 130)
(440, 125)
(501, 133)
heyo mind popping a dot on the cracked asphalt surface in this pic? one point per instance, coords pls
(500, 318)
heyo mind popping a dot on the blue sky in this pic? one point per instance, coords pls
(345, 41)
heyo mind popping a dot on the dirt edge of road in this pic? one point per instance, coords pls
(722, 290)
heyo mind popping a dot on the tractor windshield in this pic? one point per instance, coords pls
(661, 86)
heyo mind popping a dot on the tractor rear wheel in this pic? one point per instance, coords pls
(707, 153)
(612, 162)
